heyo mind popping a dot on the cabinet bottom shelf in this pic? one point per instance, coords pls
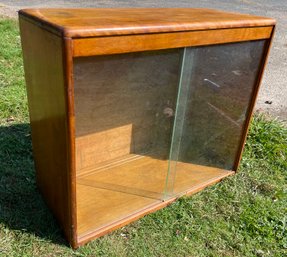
(113, 196)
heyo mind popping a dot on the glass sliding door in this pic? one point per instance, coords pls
(153, 125)
(124, 112)
(214, 95)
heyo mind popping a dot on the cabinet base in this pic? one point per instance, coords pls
(115, 195)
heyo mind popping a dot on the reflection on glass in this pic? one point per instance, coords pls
(124, 112)
(182, 100)
(153, 125)
(208, 131)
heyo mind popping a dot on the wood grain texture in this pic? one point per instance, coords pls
(120, 105)
(45, 80)
(112, 189)
(145, 42)
(149, 209)
(102, 22)
(71, 176)
(114, 194)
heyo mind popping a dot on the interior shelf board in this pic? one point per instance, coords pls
(114, 195)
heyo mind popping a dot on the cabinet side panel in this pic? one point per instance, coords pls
(44, 73)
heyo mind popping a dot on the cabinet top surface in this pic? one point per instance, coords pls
(77, 23)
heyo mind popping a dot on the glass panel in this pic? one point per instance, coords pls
(124, 109)
(146, 130)
(216, 87)
(184, 88)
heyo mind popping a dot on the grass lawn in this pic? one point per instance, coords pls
(246, 215)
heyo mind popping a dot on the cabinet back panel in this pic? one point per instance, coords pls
(124, 104)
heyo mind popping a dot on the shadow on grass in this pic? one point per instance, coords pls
(21, 206)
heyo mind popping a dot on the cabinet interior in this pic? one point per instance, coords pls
(151, 126)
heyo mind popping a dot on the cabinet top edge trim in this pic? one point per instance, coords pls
(136, 43)
(92, 22)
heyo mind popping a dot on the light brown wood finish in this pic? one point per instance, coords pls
(132, 187)
(134, 43)
(102, 22)
(45, 79)
(69, 90)
(154, 207)
(51, 38)
(116, 113)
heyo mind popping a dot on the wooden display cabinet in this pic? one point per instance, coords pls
(132, 108)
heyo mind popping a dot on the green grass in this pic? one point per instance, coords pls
(246, 215)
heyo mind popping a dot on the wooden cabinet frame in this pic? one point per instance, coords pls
(49, 46)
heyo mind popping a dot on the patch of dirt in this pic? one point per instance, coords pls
(8, 12)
